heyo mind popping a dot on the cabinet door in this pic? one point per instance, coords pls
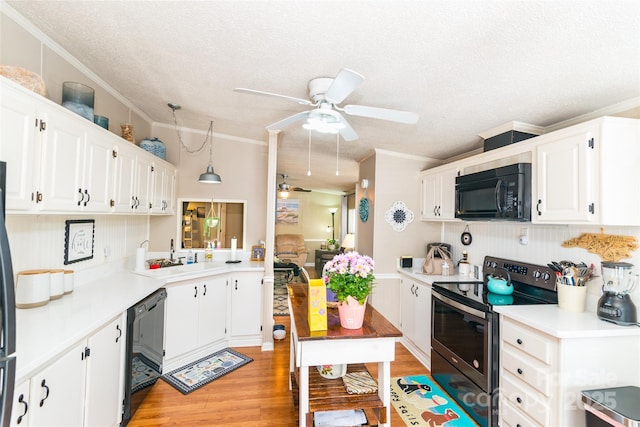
(163, 189)
(19, 137)
(430, 196)
(246, 304)
(143, 184)
(21, 405)
(105, 374)
(98, 166)
(62, 163)
(57, 392)
(566, 177)
(408, 308)
(181, 314)
(124, 179)
(423, 318)
(212, 310)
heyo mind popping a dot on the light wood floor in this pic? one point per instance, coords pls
(255, 395)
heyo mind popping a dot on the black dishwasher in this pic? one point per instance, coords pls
(145, 350)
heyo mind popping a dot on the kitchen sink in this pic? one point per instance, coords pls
(164, 262)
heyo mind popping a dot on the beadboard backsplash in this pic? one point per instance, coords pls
(502, 239)
(37, 241)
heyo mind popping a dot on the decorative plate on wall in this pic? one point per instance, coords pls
(364, 209)
(398, 216)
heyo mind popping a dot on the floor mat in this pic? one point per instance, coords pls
(203, 371)
(421, 402)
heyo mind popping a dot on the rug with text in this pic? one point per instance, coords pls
(421, 402)
(201, 372)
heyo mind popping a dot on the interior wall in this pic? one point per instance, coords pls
(313, 219)
(401, 178)
(242, 166)
(22, 45)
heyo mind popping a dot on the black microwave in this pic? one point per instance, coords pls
(497, 194)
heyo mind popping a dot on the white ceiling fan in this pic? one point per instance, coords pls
(325, 95)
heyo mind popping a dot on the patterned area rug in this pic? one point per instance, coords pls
(205, 370)
(143, 373)
(421, 402)
(280, 306)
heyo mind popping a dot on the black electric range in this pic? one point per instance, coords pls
(465, 332)
(533, 284)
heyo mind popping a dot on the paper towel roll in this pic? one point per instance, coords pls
(234, 247)
(141, 255)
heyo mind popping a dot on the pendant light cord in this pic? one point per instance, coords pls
(209, 133)
(309, 161)
(337, 153)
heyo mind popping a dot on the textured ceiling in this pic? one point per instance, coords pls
(463, 66)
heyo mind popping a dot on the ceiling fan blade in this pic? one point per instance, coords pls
(276, 95)
(288, 121)
(347, 132)
(382, 113)
(299, 189)
(345, 82)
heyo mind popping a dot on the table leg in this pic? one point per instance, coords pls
(384, 388)
(303, 399)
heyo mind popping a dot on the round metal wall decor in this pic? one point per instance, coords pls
(398, 216)
(364, 209)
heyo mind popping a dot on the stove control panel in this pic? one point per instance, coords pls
(531, 274)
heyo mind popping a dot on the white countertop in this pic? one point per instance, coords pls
(565, 324)
(43, 333)
(416, 273)
(547, 318)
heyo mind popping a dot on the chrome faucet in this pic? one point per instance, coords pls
(171, 251)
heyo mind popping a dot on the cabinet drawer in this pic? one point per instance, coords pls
(526, 399)
(524, 367)
(535, 344)
(512, 417)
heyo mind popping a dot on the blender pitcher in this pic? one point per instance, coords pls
(615, 304)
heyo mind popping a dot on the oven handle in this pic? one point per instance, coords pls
(459, 306)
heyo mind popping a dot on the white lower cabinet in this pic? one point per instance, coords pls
(416, 318)
(246, 308)
(542, 376)
(20, 408)
(82, 387)
(196, 314)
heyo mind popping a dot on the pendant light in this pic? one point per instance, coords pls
(209, 176)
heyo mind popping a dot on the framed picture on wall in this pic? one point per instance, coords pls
(78, 240)
(257, 253)
(287, 211)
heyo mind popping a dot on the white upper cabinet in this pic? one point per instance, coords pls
(439, 194)
(77, 166)
(588, 174)
(19, 141)
(59, 162)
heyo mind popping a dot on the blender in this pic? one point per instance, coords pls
(615, 304)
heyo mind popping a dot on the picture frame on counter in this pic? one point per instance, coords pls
(78, 240)
(257, 253)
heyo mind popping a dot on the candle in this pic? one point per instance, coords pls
(234, 247)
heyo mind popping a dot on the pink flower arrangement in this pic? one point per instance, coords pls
(350, 274)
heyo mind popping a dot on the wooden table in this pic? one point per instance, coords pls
(374, 342)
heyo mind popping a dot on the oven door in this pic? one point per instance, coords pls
(462, 341)
(462, 336)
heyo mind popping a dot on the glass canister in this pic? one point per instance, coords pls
(159, 148)
(78, 98)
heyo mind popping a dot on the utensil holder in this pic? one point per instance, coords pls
(572, 298)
